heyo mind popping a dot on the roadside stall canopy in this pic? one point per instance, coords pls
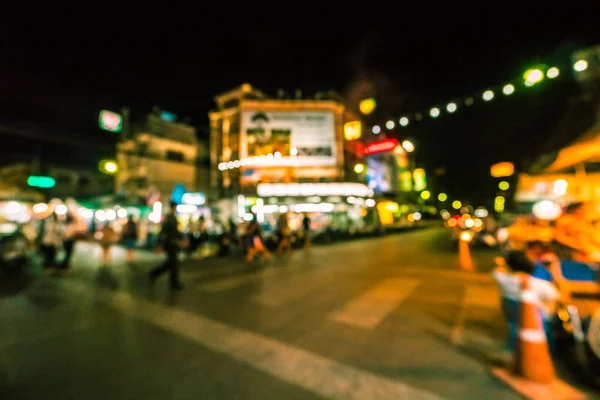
(584, 151)
(13, 193)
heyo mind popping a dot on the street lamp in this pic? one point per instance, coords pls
(108, 167)
(367, 106)
(408, 146)
(533, 76)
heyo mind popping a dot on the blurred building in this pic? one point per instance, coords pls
(68, 181)
(160, 156)
(271, 155)
(278, 140)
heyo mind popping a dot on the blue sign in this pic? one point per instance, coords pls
(178, 192)
(168, 116)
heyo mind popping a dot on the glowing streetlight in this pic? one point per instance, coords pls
(580, 65)
(552, 73)
(390, 125)
(442, 197)
(367, 106)
(403, 121)
(109, 167)
(533, 76)
(358, 168)
(451, 107)
(376, 129)
(408, 146)
(456, 204)
(488, 95)
(503, 185)
(425, 194)
(508, 89)
(434, 112)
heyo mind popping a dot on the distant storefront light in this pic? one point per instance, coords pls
(352, 130)
(313, 189)
(380, 146)
(110, 121)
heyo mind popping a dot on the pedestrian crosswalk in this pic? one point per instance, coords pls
(277, 287)
(325, 377)
(370, 308)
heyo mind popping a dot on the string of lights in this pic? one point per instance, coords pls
(263, 160)
(531, 77)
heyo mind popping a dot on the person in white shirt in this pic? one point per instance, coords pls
(509, 278)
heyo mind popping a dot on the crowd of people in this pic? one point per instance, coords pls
(58, 236)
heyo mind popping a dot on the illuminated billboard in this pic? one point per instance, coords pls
(379, 174)
(289, 138)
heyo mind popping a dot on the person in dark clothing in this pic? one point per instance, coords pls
(130, 238)
(254, 240)
(50, 240)
(233, 231)
(306, 231)
(170, 238)
(69, 239)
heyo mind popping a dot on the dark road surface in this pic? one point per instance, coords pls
(386, 318)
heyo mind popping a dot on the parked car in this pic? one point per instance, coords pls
(15, 251)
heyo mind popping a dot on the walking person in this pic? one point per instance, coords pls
(233, 231)
(74, 230)
(130, 238)
(107, 237)
(51, 239)
(285, 233)
(170, 238)
(306, 231)
(255, 243)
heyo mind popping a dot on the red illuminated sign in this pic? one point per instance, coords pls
(380, 147)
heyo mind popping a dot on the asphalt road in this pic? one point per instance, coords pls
(386, 318)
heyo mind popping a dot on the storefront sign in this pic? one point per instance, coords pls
(313, 189)
(110, 121)
(379, 174)
(381, 146)
(352, 130)
(289, 138)
(196, 199)
(502, 170)
(420, 179)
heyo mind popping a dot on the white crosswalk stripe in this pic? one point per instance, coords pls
(370, 308)
(323, 376)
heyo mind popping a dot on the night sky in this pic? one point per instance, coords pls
(57, 73)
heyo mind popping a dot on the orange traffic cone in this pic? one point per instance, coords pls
(532, 357)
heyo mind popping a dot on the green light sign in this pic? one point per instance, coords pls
(44, 182)
(110, 121)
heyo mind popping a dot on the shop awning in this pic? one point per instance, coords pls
(11, 192)
(586, 150)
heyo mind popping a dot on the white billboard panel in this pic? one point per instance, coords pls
(295, 138)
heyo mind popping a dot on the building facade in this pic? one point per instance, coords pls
(68, 181)
(160, 156)
(256, 139)
(287, 154)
